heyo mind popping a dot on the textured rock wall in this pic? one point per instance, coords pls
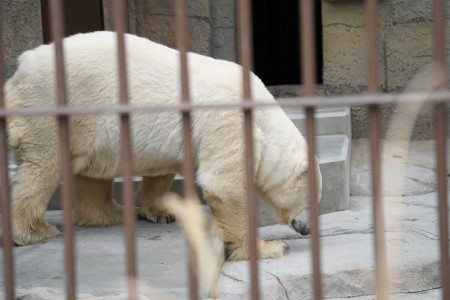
(344, 47)
(22, 30)
(154, 19)
(406, 48)
(405, 41)
(409, 40)
(211, 25)
(224, 29)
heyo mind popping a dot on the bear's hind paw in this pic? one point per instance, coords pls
(272, 249)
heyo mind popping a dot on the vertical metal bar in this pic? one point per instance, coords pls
(126, 159)
(308, 75)
(440, 64)
(57, 29)
(188, 161)
(307, 35)
(245, 55)
(372, 17)
(8, 259)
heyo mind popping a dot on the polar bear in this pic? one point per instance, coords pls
(217, 135)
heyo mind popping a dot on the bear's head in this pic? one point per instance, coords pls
(290, 199)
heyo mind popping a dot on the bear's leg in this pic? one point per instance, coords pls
(33, 186)
(94, 204)
(150, 199)
(229, 218)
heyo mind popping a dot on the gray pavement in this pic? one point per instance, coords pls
(346, 247)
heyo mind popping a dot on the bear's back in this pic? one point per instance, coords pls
(91, 69)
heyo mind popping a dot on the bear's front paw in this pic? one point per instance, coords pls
(272, 249)
(267, 250)
(160, 217)
(28, 234)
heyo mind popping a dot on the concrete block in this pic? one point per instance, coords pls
(348, 13)
(224, 46)
(161, 29)
(196, 8)
(223, 13)
(344, 56)
(333, 152)
(155, 20)
(412, 121)
(335, 120)
(22, 30)
(344, 47)
(334, 159)
(409, 48)
(413, 11)
(158, 28)
(200, 33)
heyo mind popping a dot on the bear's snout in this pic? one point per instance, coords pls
(300, 226)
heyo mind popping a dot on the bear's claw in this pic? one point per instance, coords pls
(158, 218)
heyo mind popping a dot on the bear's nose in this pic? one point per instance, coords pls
(300, 226)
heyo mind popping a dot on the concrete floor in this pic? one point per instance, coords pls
(347, 256)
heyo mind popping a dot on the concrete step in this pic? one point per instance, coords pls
(334, 159)
(329, 121)
(333, 150)
(333, 136)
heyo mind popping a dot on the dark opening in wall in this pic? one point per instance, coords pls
(79, 16)
(276, 41)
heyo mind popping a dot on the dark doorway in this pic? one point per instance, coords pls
(79, 16)
(276, 41)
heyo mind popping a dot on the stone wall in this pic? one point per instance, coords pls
(224, 29)
(22, 30)
(211, 25)
(405, 41)
(344, 48)
(405, 49)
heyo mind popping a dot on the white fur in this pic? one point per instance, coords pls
(153, 78)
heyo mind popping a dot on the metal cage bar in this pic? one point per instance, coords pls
(440, 110)
(126, 157)
(309, 74)
(7, 241)
(182, 38)
(373, 100)
(57, 30)
(296, 102)
(246, 59)
(381, 271)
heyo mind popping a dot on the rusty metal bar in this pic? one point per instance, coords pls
(246, 59)
(381, 271)
(296, 102)
(308, 76)
(182, 37)
(307, 35)
(57, 29)
(8, 258)
(440, 126)
(126, 159)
